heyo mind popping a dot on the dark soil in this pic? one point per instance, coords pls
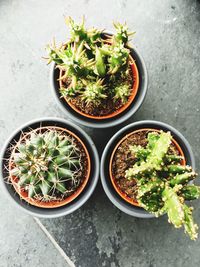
(107, 106)
(124, 159)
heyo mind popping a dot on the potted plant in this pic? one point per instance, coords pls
(149, 167)
(97, 78)
(49, 167)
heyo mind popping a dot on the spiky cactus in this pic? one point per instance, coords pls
(89, 56)
(122, 33)
(47, 165)
(122, 91)
(163, 182)
(80, 33)
(94, 92)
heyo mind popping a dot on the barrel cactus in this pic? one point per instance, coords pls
(47, 165)
(162, 181)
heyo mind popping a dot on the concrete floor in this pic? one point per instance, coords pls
(98, 234)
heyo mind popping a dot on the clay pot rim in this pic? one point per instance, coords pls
(134, 90)
(116, 187)
(54, 203)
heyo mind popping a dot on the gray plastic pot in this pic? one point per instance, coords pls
(79, 200)
(137, 102)
(115, 198)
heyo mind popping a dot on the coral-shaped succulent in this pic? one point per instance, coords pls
(117, 56)
(47, 165)
(90, 55)
(73, 62)
(94, 92)
(122, 33)
(122, 92)
(162, 181)
(80, 33)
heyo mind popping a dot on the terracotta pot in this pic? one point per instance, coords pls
(55, 203)
(111, 191)
(69, 204)
(134, 90)
(116, 187)
(139, 89)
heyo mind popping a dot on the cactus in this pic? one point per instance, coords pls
(89, 56)
(80, 33)
(73, 61)
(117, 56)
(122, 91)
(47, 164)
(100, 65)
(190, 192)
(154, 160)
(163, 182)
(94, 92)
(122, 33)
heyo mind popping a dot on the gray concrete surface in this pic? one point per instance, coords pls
(22, 242)
(168, 36)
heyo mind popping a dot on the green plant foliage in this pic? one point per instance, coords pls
(89, 56)
(47, 165)
(163, 182)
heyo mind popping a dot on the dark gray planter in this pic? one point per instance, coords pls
(104, 169)
(77, 202)
(143, 81)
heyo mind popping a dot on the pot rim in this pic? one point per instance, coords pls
(104, 172)
(54, 203)
(61, 211)
(123, 108)
(116, 187)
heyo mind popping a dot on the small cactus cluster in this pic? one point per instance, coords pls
(94, 64)
(162, 181)
(47, 165)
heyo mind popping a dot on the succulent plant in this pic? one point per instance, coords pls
(47, 164)
(117, 56)
(162, 181)
(80, 33)
(122, 33)
(73, 61)
(90, 56)
(122, 91)
(94, 92)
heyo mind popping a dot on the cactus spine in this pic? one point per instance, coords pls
(163, 182)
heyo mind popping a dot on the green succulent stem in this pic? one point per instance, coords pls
(190, 192)
(162, 182)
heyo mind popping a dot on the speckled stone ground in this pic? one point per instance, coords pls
(168, 36)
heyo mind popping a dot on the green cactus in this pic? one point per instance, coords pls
(100, 65)
(122, 33)
(47, 164)
(122, 91)
(190, 192)
(77, 31)
(173, 206)
(80, 33)
(182, 178)
(163, 182)
(117, 57)
(154, 160)
(94, 92)
(89, 56)
(189, 225)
